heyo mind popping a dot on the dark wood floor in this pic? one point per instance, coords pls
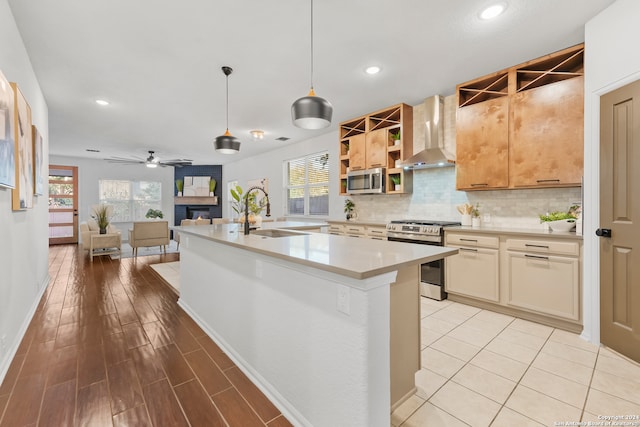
(109, 346)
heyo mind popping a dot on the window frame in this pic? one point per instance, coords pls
(133, 204)
(306, 186)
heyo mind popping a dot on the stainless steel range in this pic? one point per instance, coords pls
(424, 232)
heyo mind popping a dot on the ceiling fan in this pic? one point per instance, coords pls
(151, 161)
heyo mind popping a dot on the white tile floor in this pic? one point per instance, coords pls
(481, 368)
(170, 272)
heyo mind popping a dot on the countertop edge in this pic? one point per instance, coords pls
(523, 232)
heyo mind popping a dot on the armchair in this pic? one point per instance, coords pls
(149, 233)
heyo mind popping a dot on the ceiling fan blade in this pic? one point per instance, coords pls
(125, 161)
(177, 163)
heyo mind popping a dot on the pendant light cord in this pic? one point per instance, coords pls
(227, 102)
(312, 45)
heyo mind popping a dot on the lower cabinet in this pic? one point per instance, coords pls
(378, 232)
(474, 272)
(537, 275)
(544, 283)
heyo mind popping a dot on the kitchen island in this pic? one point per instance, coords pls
(326, 326)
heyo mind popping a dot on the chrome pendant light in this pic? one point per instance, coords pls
(311, 111)
(227, 143)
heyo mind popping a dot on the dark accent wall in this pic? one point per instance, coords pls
(213, 171)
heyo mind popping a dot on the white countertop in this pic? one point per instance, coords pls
(358, 258)
(530, 232)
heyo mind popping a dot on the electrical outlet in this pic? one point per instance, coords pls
(344, 299)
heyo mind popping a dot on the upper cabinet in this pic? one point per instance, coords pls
(378, 140)
(523, 127)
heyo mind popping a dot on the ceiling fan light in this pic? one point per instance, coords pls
(227, 144)
(151, 165)
(311, 112)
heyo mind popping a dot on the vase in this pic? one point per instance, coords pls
(210, 193)
(466, 219)
(179, 193)
(258, 220)
(103, 230)
(475, 222)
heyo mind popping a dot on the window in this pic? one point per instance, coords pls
(307, 185)
(130, 199)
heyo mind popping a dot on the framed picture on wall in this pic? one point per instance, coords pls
(38, 179)
(7, 141)
(23, 191)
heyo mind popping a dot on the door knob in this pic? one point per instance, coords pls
(603, 232)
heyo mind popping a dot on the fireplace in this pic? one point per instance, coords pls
(196, 212)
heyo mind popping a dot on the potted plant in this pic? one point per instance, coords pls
(101, 216)
(395, 137)
(212, 187)
(236, 202)
(349, 206)
(179, 186)
(346, 148)
(396, 182)
(154, 213)
(561, 221)
(475, 215)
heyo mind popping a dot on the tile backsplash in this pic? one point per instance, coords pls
(435, 197)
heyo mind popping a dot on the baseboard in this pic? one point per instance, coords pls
(279, 401)
(10, 354)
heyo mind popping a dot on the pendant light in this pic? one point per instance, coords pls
(311, 111)
(227, 143)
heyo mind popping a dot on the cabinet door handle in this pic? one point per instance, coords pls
(377, 164)
(536, 256)
(468, 240)
(536, 246)
(540, 181)
(468, 249)
(484, 184)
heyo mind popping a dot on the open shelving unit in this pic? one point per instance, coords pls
(367, 141)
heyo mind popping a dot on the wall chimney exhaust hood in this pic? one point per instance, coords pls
(430, 151)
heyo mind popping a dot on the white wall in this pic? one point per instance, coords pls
(611, 61)
(24, 248)
(270, 165)
(91, 171)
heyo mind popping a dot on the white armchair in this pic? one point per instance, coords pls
(149, 233)
(91, 227)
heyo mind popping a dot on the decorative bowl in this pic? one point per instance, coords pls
(562, 225)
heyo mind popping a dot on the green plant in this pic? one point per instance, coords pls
(349, 206)
(395, 179)
(396, 136)
(212, 185)
(154, 213)
(236, 203)
(475, 212)
(179, 185)
(101, 216)
(557, 216)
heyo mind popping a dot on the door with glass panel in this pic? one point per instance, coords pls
(63, 204)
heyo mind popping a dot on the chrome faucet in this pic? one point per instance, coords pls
(246, 207)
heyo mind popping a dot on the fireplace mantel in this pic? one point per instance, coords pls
(194, 200)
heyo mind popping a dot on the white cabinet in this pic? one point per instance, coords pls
(535, 277)
(370, 231)
(544, 276)
(475, 270)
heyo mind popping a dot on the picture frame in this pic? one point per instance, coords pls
(22, 193)
(38, 160)
(7, 136)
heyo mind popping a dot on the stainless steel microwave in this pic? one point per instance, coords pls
(366, 181)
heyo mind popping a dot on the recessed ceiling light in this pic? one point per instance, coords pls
(101, 102)
(374, 69)
(493, 11)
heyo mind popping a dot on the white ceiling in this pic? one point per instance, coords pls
(159, 63)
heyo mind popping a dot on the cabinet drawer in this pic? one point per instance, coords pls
(544, 284)
(351, 230)
(473, 240)
(377, 233)
(544, 246)
(335, 229)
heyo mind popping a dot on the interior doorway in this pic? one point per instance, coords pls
(620, 220)
(63, 204)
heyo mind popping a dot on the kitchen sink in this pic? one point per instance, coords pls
(277, 233)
